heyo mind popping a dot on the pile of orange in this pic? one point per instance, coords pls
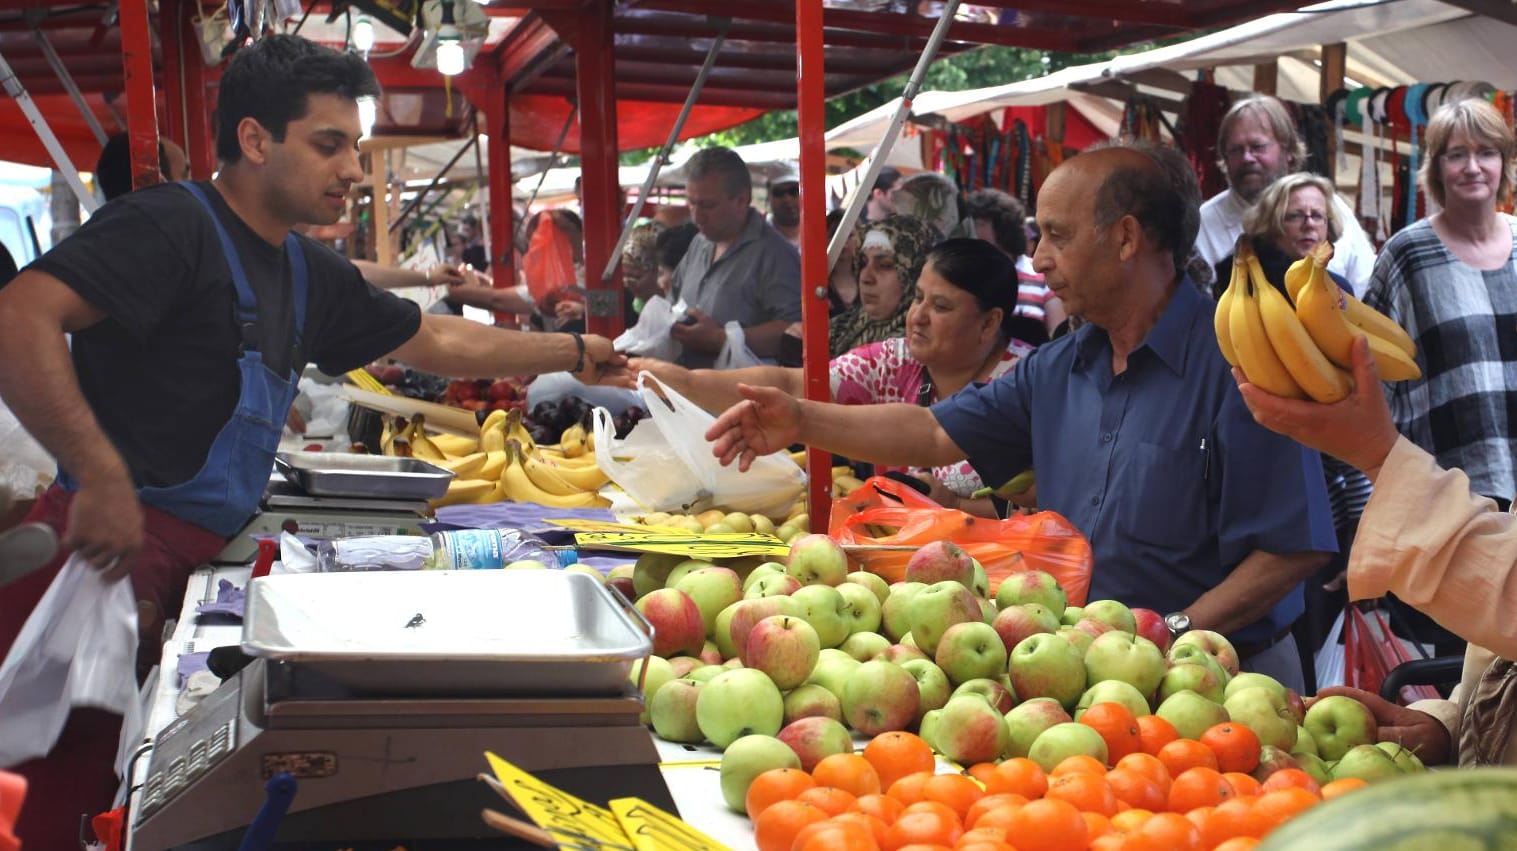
(1162, 793)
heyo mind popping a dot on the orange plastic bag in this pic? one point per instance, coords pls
(1044, 541)
(548, 265)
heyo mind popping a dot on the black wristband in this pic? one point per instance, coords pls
(579, 341)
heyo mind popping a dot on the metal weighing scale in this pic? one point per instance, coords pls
(386, 744)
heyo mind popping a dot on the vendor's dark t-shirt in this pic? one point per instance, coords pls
(160, 372)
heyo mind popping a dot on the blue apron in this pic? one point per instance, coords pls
(226, 491)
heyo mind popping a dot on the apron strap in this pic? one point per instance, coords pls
(246, 310)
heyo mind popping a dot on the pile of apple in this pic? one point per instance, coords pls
(787, 529)
(807, 650)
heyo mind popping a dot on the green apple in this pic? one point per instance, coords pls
(1191, 714)
(1126, 657)
(588, 571)
(864, 646)
(1316, 766)
(768, 568)
(721, 630)
(1366, 762)
(1263, 710)
(687, 567)
(1338, 723)
(997, 691)
(1071, 615)
(784, 647)
(739, 522)
(1047, 666)
(810, 700)
(739, 703)
(1215, 645)
(987, 610)
(817, 560)
(1015, 623)
(712, 589)
(1031, 586)
(772, 585)
(1405, 759)
(659, 672)
(750, 612)
(1077, 637)
(899, 653)
(895, 612)
(673, 711)
(862, 614)
(939, 606)
(880, 697)
(981, 584)
(1249, 679)
(1062, 741)
(1201, 679)
(683, 665)
(967, 730)
(826, 609)
(969, 651)
(1113, 691)
(747, 758)
(876, 585)
(651, 572)
(1194, 654)
(832, 669)
(706, 673)
(1272, 759)
(814, 739)
(1111, 613)
(933, 688)
(941, 561)
(1305, 742)
(1027, 720)
(676, 620)
(761, 524)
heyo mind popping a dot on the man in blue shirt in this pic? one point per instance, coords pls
(1133, 422)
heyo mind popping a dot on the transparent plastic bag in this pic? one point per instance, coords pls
(650, 338)
(735, 353)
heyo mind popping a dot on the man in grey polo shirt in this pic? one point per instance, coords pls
(739, 268)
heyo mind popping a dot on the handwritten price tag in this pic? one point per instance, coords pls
(709, 546)
(652, 829)
(573, 823)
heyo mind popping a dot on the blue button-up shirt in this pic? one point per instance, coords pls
(1162, 467)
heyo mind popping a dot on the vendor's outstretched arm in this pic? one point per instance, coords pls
(450, 345)
(716, 389)
(38, 382)
(769, 419)
(1253, 588)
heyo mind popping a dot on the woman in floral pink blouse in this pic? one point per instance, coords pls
(956, 334)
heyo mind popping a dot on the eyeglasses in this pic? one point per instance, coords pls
(1296, 216)
(1256, 149)
(1460, 157)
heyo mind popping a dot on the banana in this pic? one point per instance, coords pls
(386, 437)
(518, 432)
(1377, 324)
(422, 446)
(1312, 371)
(558, 460)
(456, 446)
(1015, 486)
(572, 441)
(799, 457)
(494, 463)
(467, 467)
(1301, 271)
(1256, 356)
(492, 435)
(585, 477)
(1222, 320)
(400, 447)
(520, 488)
(546, 478)
(1320, 307)
(590, 442)
(466, 490)
(845, 485)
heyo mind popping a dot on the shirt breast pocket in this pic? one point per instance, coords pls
(1167, 504)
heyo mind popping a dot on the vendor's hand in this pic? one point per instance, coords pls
(767, 420)
(445, 273)
(1357, 430)
(105, 525)
(569, 311)
(702, 335)
(1418, 732)
(603, 364)
(671, 374)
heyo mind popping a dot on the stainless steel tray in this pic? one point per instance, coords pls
(345, 474)
(477, 632)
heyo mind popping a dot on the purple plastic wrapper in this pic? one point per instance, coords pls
(190, 663)
(230, 601)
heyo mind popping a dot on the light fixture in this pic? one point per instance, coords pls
(450, 46)
(363, 35)
(368, 110)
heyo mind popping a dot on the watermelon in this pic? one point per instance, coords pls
(1444, 810)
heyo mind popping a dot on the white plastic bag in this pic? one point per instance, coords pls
(78, 648)
(735, 353)
(650, 338)
(665, 462)
(25, 465)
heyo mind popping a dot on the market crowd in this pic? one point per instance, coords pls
(1076, 342)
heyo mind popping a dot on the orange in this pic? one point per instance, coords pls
(924, 846)
(847, 771)
(834, 835)
(1078, 764)
(1341, 787)
(908, 790)
(923, 826)
(1136, 790)
(981, 771)
(983, 834)
(877, 828)
(1109, 842)
(897, 754)
(777, 826)
(882, 807)
(1285, 778)
(1183, 754)
(990, 802)
(1238, 843)
(1202, 818)
(1243, 784)
(829, 799)
(1019, 776)
(1088, 792)
(1198, 787)
(1117, 727)
(775, 785)
(1236, 746)
(1128, 821)
(1149, 766)
(958, 791)
(1154, 733)
(998, 818)
(1096, 825)
(1049, 825)
(991, 845)
(1275, 808)
(1166, 832)
(1228, 819)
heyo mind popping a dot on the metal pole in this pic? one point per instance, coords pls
(67, 80)
(663, 155)
(13, 87)
(811, 126)
(855, 203)
(436, 179)
(552, 163)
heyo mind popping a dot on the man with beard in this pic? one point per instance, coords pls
(1259, 144)
(785, 206)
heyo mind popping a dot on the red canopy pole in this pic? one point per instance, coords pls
(811, 96)
(141, 103)
(595, 68)
(498, 124)
(198, 144)
(170, 37)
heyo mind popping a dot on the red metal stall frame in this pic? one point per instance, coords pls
(595, 66)
(141, 96)
(811, 121)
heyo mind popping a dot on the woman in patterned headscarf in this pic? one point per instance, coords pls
(888, 262)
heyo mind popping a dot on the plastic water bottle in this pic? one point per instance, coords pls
(377, 552)
(487, 549)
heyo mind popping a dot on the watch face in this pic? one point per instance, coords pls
(1178, 622)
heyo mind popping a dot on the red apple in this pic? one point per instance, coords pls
(677, 625)
(1151, 626)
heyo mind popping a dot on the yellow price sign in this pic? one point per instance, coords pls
(706, 545)
(608, 526)
(652, 829)
(573, 823)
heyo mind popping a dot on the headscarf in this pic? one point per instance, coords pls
(910, 239)
(640, 254)
(934, 199)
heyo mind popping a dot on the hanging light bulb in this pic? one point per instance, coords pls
(363, 36)
(450, 47)
(368, 110)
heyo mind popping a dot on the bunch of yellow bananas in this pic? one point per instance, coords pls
(504, 463)
(1302, 351)
(844, 482)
